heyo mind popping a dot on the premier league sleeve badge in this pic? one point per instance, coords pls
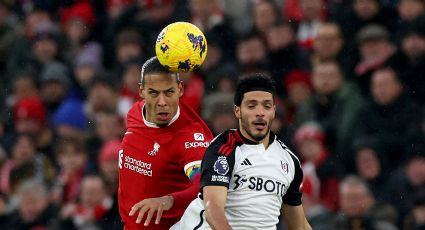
(221, 166)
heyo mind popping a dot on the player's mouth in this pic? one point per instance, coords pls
(260, 125)
(163, 116)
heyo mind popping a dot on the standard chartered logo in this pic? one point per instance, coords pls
(134, 164)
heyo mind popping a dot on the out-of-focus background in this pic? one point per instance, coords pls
(351, 92)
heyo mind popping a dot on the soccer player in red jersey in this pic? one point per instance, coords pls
(161, 153)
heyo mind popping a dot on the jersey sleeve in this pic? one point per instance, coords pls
(192, 146)
(218, 163)
(293, 194)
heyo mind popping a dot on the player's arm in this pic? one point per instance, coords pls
(294, 217)
(216, 172)
(292, 209)
(214, 200)
(158, 205)
(191, 159)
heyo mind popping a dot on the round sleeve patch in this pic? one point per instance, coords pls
(221, 166)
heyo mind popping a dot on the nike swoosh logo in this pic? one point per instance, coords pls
(128, 133)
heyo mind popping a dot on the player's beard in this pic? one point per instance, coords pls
(259, 137)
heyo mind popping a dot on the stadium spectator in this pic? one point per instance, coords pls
(320, 182)
(335, 105)
(375, 49)
(328, 44)
(34, 209)
(218, 112)
(130, 78)
(390, 117)
(77, 21)
(96, 209)
(359, 209)
(103, 96)
(314, 12)
(24, 86)
(284, 53)
(409, 10)
(410, 62)
(407, 184)
(251, 53)
(372, 166)
(265, 14)
(129, 45)
(45, 44)
(416, 218)
(34, 23)
(69, 120)
(211, 19)
(71, 156)
(108, 126)
(29, 116)
(24, 163)
(87, 64)
(222, 77)
(193, 90)
(299, 89)
(55, 83)
(108, 165)
(364, 12)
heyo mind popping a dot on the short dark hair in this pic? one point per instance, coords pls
(253, 82)
(154, 66)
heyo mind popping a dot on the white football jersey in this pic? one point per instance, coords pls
(259, 180)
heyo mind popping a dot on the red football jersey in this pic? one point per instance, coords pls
(155, 162)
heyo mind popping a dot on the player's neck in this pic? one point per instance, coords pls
(265, 141)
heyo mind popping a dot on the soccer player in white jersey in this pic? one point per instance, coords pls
(249, 177)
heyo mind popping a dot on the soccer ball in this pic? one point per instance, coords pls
(181, 47)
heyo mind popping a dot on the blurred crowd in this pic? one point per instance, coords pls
(350, 76)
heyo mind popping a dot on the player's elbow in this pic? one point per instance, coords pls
(210, 212)
(306, 226)
(215, 217)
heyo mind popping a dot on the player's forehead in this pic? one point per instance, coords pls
(160, 81)
(257, 96)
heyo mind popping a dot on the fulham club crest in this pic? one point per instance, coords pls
(284, 166)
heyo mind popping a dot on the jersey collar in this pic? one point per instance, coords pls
(250, 142)
(153, 125)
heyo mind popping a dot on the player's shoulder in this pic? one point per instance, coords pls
(193, 131)
(226, 142)
(287, 152)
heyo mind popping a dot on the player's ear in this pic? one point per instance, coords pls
(141, 91)
(237, 111)
(180, 87)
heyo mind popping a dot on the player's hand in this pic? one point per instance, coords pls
(150, 206)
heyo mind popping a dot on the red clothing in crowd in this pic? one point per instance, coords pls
(194, 92)
(155, 162)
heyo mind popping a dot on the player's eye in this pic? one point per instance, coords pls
(153, 93)
(169, 93)
(268, 106)
(251, 106)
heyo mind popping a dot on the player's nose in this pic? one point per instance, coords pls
(161, 100)
(260, 111)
